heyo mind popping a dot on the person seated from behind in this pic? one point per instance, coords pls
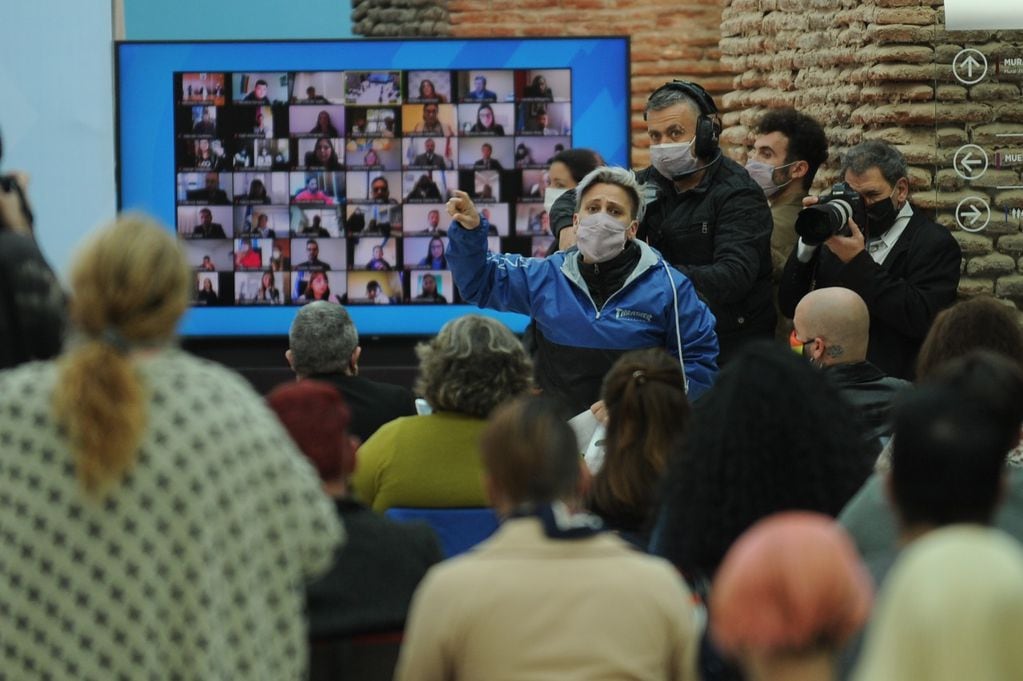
(473, 364)
(952, 609)
(549, 595)
(376, 571)
(645, 399)
(323, 155)
(790, 592)
(831, 328)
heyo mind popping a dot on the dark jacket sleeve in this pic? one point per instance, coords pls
(910, 303)
(32, 303)
(743, 237)
(796, 279)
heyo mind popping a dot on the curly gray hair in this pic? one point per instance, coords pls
(322, 339)
(472, 365)
(875, 153)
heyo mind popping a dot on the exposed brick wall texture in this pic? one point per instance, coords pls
(670, 39)
(882, 69)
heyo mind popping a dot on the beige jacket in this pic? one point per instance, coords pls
(525, 607)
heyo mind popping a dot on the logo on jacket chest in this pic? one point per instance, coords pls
(622, 313)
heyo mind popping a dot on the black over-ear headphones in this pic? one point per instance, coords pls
(708, 125)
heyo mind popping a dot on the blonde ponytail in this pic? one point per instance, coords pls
(130, 285)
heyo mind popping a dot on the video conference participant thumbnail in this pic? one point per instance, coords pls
(202, 88)
(319, 285)
(428, 86)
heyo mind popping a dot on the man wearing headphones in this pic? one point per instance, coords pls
(706, 215)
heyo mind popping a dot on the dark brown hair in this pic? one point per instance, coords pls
(980, 323)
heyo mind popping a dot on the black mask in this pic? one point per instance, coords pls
(881, 217)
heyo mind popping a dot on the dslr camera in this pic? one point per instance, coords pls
(821, 221)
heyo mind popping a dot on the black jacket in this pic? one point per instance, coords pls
(32, 303)
(719, 235)
(870, 394)
(372, 403)
(918, 279)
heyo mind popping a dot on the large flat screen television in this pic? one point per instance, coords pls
(299, 171)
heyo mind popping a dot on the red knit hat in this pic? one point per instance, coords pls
(316, 416)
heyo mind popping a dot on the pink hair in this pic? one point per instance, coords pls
(791, 583)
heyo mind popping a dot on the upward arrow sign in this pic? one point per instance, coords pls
(970, 64)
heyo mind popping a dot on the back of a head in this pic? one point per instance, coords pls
(791, 584)
(530, 452)
(322, 339)
(951, 609)
(771, 435)
(980, 323)
(130, 284)
(472, 365)
(840, 317)
(315, 415)
(647, 412)
(579, 161)
(952, 434)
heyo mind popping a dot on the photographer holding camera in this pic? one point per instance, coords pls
(865, 236)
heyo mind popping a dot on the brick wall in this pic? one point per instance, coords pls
(883, 69)
(670, 38)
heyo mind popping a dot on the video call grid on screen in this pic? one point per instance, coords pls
(313, 182)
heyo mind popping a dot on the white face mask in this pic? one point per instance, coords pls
(599, 237)
(550, 195)
(763, 174)
(674, 160)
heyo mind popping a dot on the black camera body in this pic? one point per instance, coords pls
(821, 221)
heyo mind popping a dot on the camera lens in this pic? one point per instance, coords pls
(819, 222)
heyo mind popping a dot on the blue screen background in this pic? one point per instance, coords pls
(145, 135)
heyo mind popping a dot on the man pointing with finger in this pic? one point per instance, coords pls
(610, 294)
(904, 266)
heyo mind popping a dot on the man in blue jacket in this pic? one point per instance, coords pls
(610, 294)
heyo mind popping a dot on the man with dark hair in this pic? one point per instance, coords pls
(207, 229)
(560, 598)
(324, 344)
(313, 262)
(952, 434)
(479, 92)
(258, 94)
(210, 192)
(831, 327)
(904, 266)
(705, 214)
(429, 159)
(788, 150)
(486, 162)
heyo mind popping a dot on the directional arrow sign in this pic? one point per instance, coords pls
(973, 214)
(970, 162)
(969, 66)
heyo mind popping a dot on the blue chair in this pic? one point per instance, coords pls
(458, 529)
